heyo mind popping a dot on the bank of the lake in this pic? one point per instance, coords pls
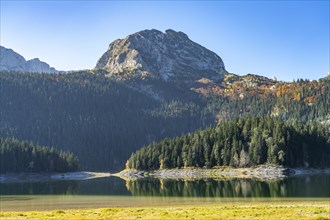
(38, 177)
(293, 209)
(259, 172)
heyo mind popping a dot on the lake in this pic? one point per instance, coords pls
(114, 192)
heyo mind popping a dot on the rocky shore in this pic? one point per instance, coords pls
(260, 172)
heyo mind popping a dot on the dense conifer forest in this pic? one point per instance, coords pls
(104, 119)
(23, 156)
(99, 119)
(240, 143)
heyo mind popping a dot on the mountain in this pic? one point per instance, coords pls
(167, 56)
(12, 61)
(129, 100)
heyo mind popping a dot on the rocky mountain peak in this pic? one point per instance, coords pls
(179, 34)
(12, 61)
(168, 56)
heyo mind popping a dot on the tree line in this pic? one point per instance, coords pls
(241, 142)
(23, 156)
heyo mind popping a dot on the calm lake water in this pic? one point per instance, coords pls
(112, 191)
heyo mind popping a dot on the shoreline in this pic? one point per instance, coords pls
(189, 173)
(37, 177)
(259, 172)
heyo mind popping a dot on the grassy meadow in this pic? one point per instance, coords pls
(295, 209)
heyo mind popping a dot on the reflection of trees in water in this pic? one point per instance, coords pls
(299, 186)
(99, 186)
(309, 186)
(207, 188)
(103, 186)
(40, 188)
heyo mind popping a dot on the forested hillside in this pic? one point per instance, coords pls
(103, 119)
(100, 119)
(23, 156)
(252, 95)
(240, 143)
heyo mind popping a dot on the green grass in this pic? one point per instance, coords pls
(223, 210)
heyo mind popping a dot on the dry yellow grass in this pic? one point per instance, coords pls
(232, 210)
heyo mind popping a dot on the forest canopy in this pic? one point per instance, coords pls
(240, 143)
(103, 120)
(23, 156)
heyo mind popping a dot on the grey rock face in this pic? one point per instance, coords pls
(35, 65)
(168, 56)
(12, 61)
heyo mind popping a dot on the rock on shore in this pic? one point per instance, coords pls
(260, 172)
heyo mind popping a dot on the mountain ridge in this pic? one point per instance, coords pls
(13, 61)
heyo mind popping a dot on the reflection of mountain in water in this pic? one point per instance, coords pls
(293, 187)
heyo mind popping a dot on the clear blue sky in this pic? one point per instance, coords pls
(289, 40)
